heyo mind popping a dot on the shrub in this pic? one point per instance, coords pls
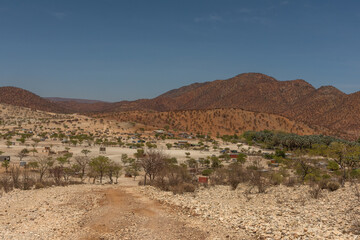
(182, 188)
(268, 156)
(6, 184)
(326, 176)
(333, 166)
(280, 153)
(236, 175)
(207, 172)
(39, 185)
(259, 181)
(355, 173)
(315, 191)
(27, 183)
(219, 177)
(333, 186)
(276, 178)
(291, 182)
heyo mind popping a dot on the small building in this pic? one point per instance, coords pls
(182, 142)
(4, 158)
(102, 150)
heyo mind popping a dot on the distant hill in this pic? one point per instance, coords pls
(322, 108)
(214, 121)
(80, 105)
(58, 99)
(23, 98)
(325, 107)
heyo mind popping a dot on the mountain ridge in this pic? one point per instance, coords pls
(296, 100)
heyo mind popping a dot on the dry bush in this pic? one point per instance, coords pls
(173, 178)
(57, 174)
(257, 179)
(315, 190)
(236, 174)
(153, 163)
(332, 186)
(15, 175)
(291, 181)
(276, 178)
(182, 188)
(6, 184)
(219, 177)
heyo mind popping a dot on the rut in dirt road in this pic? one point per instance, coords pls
(125, 214)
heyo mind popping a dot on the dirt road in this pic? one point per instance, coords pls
(91, 212)
(125, 214)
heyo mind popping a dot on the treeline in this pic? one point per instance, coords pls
(290, 141)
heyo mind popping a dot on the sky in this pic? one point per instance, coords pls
(115, 50)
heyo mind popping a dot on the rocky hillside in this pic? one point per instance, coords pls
(297, 100)
(20, 97)
(215, 121)
(326, 107)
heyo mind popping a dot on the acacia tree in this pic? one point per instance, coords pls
(113, 170)
(85, 152)
(43, 164)
(6, 165)
(152, 163)
(100, 165)
(304, 167)
(139, 154)
(347, 157)
(81, 164)
(23, 153)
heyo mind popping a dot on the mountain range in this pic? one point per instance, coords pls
(326, 109)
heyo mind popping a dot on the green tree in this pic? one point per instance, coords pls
(241, 158)
(100, 165)
(85, 152)
(139, 154)
(23, 153)
(113, 170)
(8, 143)
(346, 156)
(6, 164)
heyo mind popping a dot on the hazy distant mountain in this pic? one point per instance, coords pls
(59, 99)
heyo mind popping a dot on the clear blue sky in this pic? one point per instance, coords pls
(128, 49)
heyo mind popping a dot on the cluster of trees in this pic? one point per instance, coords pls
(290, 141)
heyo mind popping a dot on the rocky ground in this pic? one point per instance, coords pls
(127, 211)
(281, 213)
(98, 212)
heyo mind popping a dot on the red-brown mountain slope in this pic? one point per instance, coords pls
(214, 121)
(20, 97)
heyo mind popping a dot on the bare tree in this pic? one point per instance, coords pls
(82, 162)
(152, 163)
(44, 163)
